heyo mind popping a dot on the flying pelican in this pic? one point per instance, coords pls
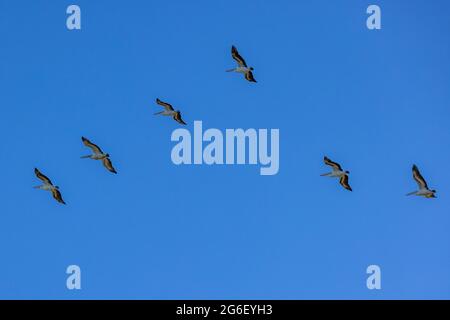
(98, 155)
(423, 187)
(242, 68)
(48, 186)
(170, 111)
(337, 173)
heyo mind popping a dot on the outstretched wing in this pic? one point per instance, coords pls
(418, 177)
(166, 105)
(249, 76)
(91, 145)
(236, 56)
(42, 177)
(177, 118)
(333, 164)
(344, 182)
(108, 165)
(57, 195)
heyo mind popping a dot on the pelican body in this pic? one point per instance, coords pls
(98, 154)
(170, 112)
(423, 191)
(48, 186)
(242, 65)
(337, 172)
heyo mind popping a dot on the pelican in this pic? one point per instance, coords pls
(170, 111)
(242, 68)
(337, 173)
(98, 155)
(423, 187)
(48, 186)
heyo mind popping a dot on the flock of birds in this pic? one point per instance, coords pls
(337, 171)
(97, 154)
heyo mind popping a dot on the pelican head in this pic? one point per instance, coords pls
(107, 155)
(347, 172)
(251, 68)
(434, 191)
(56, 187)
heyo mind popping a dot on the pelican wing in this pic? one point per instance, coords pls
(418, 177)
(91, 145)
(344, 182)
(236, 56)
(42, 177)
(57, 195)
(333, 164)
(249, 76)
(166, 105)
(108, 165)
(177, 118)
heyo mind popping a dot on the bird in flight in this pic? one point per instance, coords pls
(170, 111)
(98, 155)
(337, 173)
(48, 186)
(423, 187)
(242, 66)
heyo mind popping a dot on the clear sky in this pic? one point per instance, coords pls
(374, 101)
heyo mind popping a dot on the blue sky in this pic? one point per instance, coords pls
(375, 101)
